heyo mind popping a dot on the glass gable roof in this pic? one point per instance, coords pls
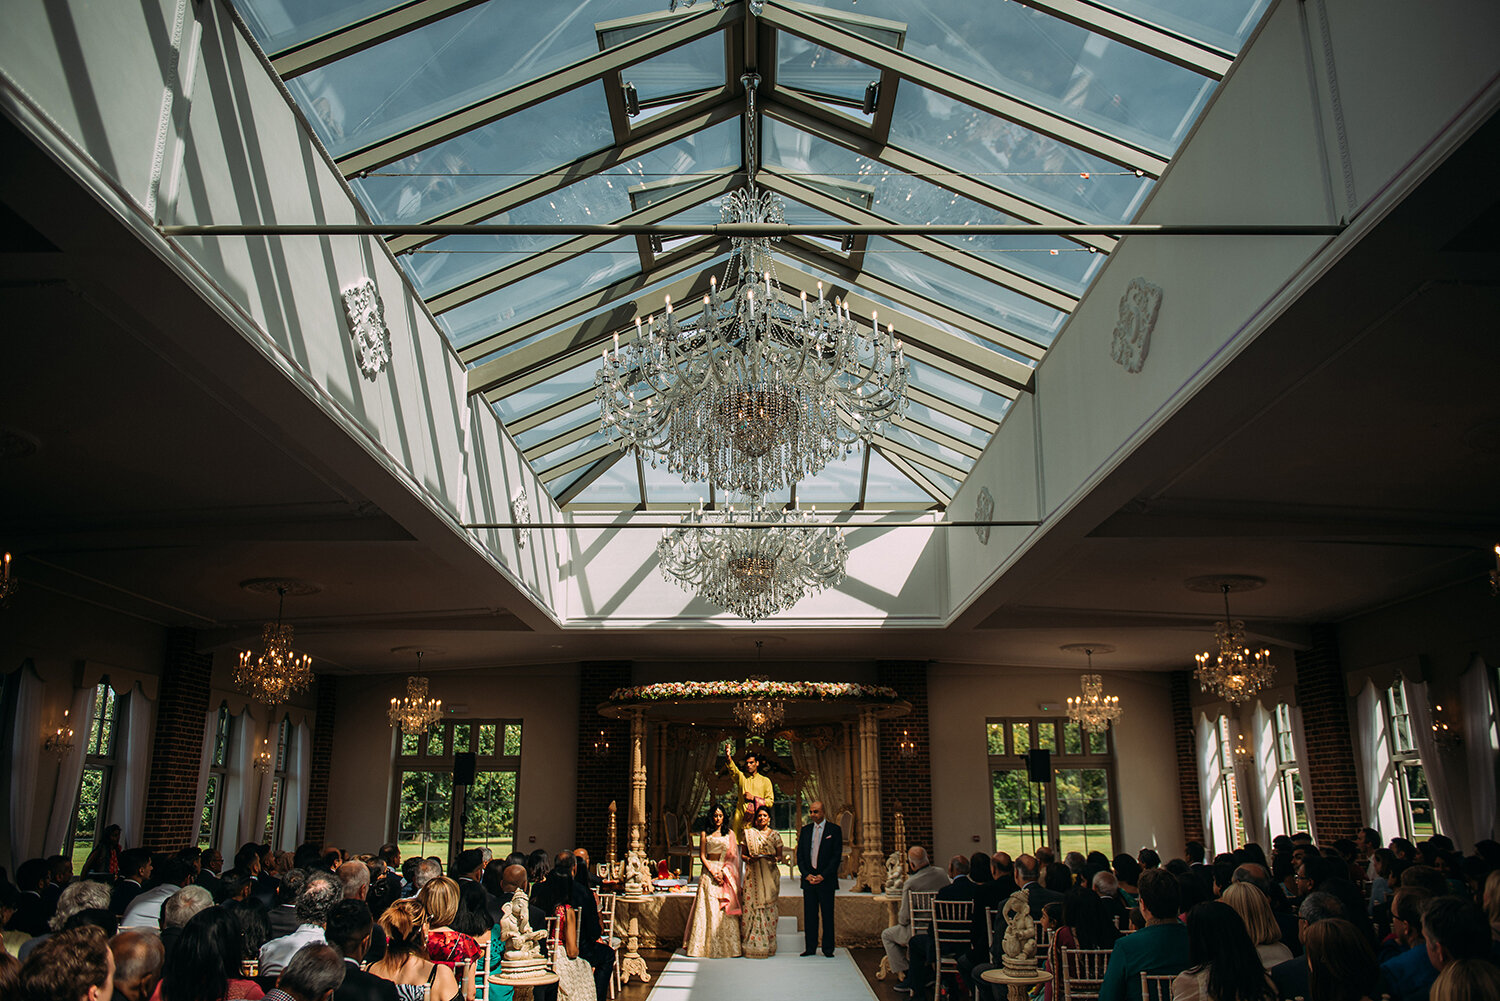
(617, 111)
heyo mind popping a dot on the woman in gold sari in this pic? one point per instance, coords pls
(763, 852)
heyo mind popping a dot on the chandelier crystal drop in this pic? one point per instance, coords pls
(1093, 710)
(1234, 672)
(755, 390)
(278, 672)
(748, 570)
(417, 711)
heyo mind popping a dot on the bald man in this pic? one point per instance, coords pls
(139, 955)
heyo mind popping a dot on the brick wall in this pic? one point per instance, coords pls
(1185, 736)
(322, 758)
(601, 779)
(906, 783)
(1329, 775)
(172, 809)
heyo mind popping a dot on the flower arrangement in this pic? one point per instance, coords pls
(677, 691)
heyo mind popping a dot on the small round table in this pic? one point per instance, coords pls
(892, 902)
(1020, 986)
(632, 963)
(521, 987)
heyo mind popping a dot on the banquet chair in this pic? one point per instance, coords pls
(951, 920)
(845, 820)
(607, 926)
(1082, 972)
(1156, 986)
(675, 832)
(554, 943)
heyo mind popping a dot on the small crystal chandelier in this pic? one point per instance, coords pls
(277, 672)
(754, 391)
(1235, 672)
(1093, 710)
(417, 711)
(748, 570)
(60, 740)
(263, 757)
(1443, 734)
(759, 713)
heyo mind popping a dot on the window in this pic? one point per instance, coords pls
(1417, 818)
(279, 760)
(1288, 774)
(1229, 797)
(429, 807)
(94, 784)
(1073, 811)
(218, 776)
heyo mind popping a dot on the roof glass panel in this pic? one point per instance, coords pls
(555, 458)
(941, 480)
(807, 66)
(533, 437)
(448, 64)
(616, 485)
(1053, 64)
(280, 24)
(909, 435)
(687, 69)
(942, 422)
(529, 297)
(664, 487)
(957, 390)
(1008, 156)
(1225, 23)
(838, 483)
(483, 161)
(904, 198)
(579, 379)
(884, 483)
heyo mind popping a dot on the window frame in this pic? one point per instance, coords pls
(1288, 769)
(96, 759)
(211, 815)
(1229, 790)
(1089, 756)
(1405, 759)
(276, 805)
(440, 761)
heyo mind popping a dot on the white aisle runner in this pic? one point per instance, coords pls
(785, 975)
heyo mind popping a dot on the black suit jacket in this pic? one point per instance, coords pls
(120, 897)
(31, 916)
(213, 884)
(361, 986)
(830, 853)
(989, 896)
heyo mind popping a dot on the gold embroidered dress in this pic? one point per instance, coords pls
(713, 928)
(762, 890)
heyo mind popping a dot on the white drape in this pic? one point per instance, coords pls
(21, 737)
(128, 802)
(70, 771)
(1420, 708)
(826, 775)
(1483, 745)
(293, 822)
(1299, 744)
(255, 830)
(1268, 775)
(1247, 781)
(243, 785)
(1381, 809)
(1219, 839)
(205, 759)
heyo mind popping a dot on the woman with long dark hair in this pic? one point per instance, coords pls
(1340, 962)
(104, 860)
(713, 928)
(207, 961)
(1224, 963)
(575, 976)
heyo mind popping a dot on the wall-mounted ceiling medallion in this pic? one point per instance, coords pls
(365, 314)
(1138, 308)
(984, 509)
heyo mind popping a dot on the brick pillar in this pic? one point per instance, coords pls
(601, 779)
(1328, 777)
(1186, 736)
(172, 807)
(322, 759)
(906, 783)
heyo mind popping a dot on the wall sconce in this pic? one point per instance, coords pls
(8, 583)
(1444, 735)
(60, 740)
(601, 745)
(1494, 574)
(263, 757)
(906, 747)
(1242, 751)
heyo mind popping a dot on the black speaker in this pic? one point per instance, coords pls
(463, 768)
(1039, 765)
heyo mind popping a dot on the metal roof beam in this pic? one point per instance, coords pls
(897, 449)
(316, 53)
(1138, 34)
(583, 482)
(913, 473)
(551, 411)
(578, 462)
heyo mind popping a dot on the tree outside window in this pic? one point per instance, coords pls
(1074, 811)
(1230, 794)
(1288, 773)
(212, 816)
(92, 796)
(1417, 818)
(428, 807)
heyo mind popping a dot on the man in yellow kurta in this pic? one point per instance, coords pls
(755, 788)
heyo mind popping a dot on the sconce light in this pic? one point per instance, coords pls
(906, 747)
(263, 757)
(601, 745)
(1443, 734)
(8, 583)
(60, 740)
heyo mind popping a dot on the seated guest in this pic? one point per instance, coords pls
(1085, 923)
(32, 913)
(1341, 964)
(59, 875)
(405, 964)
(255, 930)
(1127, 872)
(209, 865)
(446, 945)
(74, 965)
(561, 890)
(207, 962)
(1161, 947)
(138, 958)
(318, 895)
(1254, 909)
(1408, 971)
(145, 908)
(1258, 876)
(135, 869)
(283, 914)
(348, 930)
(179, 908)
(922, 876)
(1225, 966)
(424, 872)
(1290, 976)
(313, 974)
(1454, 929)
(920, 950)
(1107, 888)
(104, 860)
(586, 875)
(83, 897)
(1467, 980)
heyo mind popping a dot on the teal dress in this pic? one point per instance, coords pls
(1155, 949)
(496, 992)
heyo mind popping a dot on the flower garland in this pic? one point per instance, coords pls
(683, 690)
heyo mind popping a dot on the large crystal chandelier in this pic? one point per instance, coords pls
(1093, 710)
(1234, 672)
(755, 390)
(415, 713)
(277, 672)
(753, 571)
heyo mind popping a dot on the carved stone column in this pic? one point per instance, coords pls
(637, 879)
(872, 864)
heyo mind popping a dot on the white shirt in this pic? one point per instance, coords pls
(817, 840)
(278, 952)
(145, 910)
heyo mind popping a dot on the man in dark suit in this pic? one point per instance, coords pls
(348, 931)
(819, 846)
(1027, 871)
(31, 914)
(135, 869)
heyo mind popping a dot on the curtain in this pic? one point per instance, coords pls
(1252, 795)
(825, 768)
(70, 771)
(255, 828)
(133, 768)
(1420, 708)
(243, 786)
(1380, 806)
(293, 823)
(1208, 786)
(1268, 773)
(1299, 745)
(21, 738)
(205, 760)
(687, 783)
(1483, 745)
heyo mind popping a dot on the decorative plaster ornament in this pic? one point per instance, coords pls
(365, 314)
(520, 513)
(984, 508)
(1138, 308)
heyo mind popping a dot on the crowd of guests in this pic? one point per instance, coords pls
(1350, 921)
(316, 924)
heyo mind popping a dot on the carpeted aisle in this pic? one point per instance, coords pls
(785, 975)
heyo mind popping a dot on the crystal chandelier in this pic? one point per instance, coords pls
(758, 713)
(754, 391)
(277, 672)
(748, 570)
(417, 711)
(1234, 672)
(1093, 710)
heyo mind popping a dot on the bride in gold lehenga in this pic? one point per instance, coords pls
(763, 852)
(713, 928)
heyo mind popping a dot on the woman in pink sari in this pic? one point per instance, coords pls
(713, 925)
